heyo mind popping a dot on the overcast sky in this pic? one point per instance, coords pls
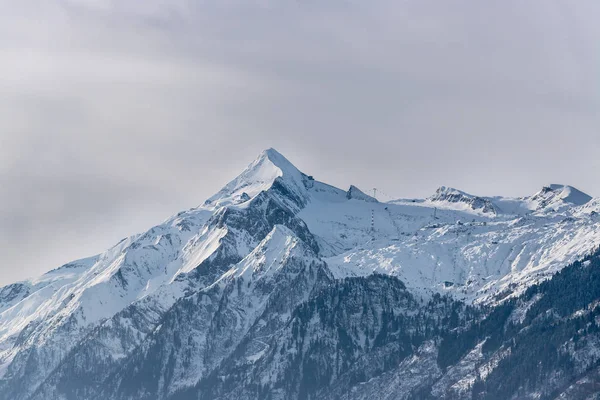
(116, 114)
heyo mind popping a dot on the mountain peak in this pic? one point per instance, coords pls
(446, 190)
(556, 195)
(446, 193)
(356, 193)
(260, 175)
(277, 159)
(450, 196)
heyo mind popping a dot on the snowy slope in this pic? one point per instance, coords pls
(251, 300)
(102, 310)
(454, 242)
(43, 319)
(64, 305)
(474, 259)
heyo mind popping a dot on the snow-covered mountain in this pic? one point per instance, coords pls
(249, 294)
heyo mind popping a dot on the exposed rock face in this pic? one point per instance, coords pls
(357, 194)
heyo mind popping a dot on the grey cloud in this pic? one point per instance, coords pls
(114, 115)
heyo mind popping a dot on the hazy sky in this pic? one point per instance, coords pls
(116, 114)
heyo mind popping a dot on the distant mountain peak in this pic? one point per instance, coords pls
(260, 175)
(557, 195)
(445, 190)
(446, 195)
(276, 159)
(356, 193)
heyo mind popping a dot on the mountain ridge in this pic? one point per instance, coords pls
(277, 237)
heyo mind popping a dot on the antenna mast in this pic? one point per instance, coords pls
(372, 220)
